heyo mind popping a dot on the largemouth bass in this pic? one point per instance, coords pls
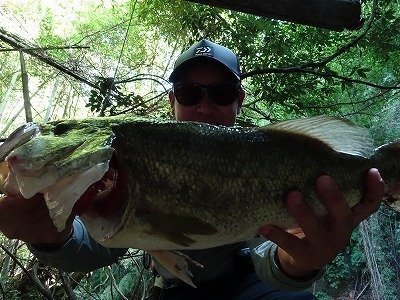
(168, 185)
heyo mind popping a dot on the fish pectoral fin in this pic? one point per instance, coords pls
(175, 264)
(176, 229)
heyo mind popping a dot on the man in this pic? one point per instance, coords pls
(206, 88)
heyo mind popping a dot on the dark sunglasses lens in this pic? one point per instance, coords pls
(188, 94)
(223, 94)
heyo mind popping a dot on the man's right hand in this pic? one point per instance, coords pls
(29, 220)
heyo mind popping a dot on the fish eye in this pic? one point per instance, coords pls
(61, 128)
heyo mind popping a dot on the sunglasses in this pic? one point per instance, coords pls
(190, 94)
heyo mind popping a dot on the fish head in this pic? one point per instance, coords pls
(60, 160)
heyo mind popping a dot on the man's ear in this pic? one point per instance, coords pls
(171, 97)
(241, 96)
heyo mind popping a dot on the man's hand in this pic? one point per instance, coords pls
(28, 220)
(313, 244)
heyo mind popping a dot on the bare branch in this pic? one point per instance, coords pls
(115, 284)
(348, 79)
(309, 67)
(349, 45)
(67, 285)
(18, 43)
(380, 94)
(363, 290)
(39, 285)
(321, 74)
(45, 48)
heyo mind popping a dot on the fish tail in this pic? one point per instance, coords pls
(387, 158)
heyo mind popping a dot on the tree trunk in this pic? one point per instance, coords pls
(7, 94)
(67, 104)
(50, 106)
(10, 121)
(25, 89)
(370, 251)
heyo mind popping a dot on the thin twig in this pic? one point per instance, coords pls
(66, 285)
(114, 284)
(3, 293)
(363, 290)
(40, 286)
(140, 278)
(317, 73)
(37, 283)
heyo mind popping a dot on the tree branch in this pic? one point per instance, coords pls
(34, 280)
(39, 285)
(321, 74)
(309, 67)
(363, 290)
(114, 284)
(67, 285)
(18, 43)
(380, 94)
(348, 79)
(345, 48)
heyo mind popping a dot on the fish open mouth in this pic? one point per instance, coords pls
(107, 196)
(103, 205)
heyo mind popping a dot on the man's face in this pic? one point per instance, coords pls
(206, 111)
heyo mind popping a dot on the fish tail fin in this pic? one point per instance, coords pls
(388, 159)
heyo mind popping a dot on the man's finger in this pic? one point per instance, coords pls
(339, 212)
(285, 240)
(304, 216)
(372, 198)
(375, 186)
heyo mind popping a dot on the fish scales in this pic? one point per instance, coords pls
(243, 173)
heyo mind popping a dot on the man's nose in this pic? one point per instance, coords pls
(205, 105)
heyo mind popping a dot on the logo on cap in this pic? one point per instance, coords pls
(203, 51)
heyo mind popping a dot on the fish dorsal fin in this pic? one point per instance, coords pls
(338, 133)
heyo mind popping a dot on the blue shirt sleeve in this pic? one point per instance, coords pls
(263, 252)
(80, 253)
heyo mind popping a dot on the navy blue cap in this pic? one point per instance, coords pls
(208, 50)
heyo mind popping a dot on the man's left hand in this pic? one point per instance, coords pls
(314, 244)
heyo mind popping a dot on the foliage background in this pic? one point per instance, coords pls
(290, 71)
